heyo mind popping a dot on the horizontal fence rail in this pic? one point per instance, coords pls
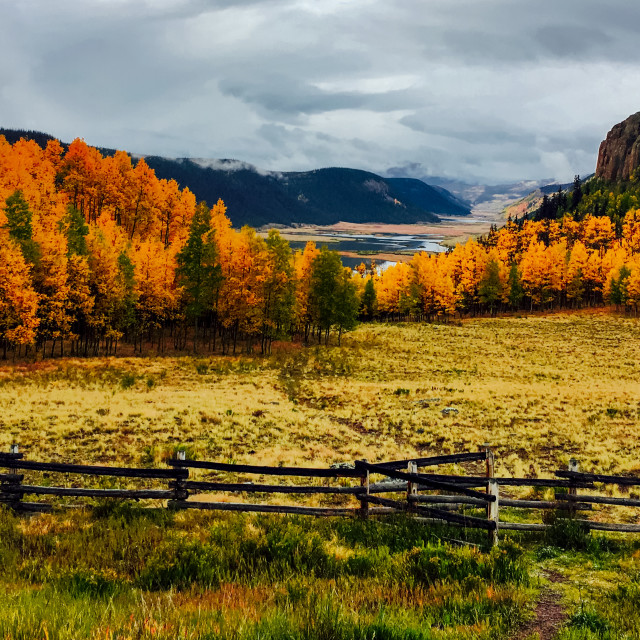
(597, 477)
(131, 494)
(271, 471)
(90, 470)
(436, 460)
(428, 497)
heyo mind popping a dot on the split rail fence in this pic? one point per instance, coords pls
(430, 497)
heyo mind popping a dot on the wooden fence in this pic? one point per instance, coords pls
(430, 497)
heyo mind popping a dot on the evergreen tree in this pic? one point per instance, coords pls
(323, 295)
(19, 226)
(369, 299)
(18, 217)
(545, 210)
(576, 194)
(346, 309)
(619, 294)
(489, 287)
(279, 290)
(199, 271)
(75, 228)
(561, 199)
(516, 291)
(126, 315)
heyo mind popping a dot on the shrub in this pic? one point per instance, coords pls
(85, 583)
(567, 533)
(436, 564)
(127, 381)
(589, 619)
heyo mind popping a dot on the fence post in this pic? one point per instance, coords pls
(493, 489)
(179, 490)
(10, 488)
(364, 504)
(493, 508)
(412, 487)
(574, 466)
(490, 458)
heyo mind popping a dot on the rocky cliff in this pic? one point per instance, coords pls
(619, 154)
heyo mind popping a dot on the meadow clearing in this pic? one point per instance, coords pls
(540, 389)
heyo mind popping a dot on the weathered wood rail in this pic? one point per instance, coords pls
(429, 497)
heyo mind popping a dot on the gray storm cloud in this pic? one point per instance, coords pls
(493, 91)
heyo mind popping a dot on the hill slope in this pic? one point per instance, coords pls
(428, 197)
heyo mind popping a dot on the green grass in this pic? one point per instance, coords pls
(597, 579)
(122, 571)
(126, 571)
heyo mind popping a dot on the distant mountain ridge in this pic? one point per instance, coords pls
(481, 194)
(322, 196)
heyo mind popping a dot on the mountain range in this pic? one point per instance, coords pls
(322, 196)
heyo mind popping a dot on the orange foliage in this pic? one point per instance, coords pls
(119, 273)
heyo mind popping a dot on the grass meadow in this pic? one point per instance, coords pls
(540, 389)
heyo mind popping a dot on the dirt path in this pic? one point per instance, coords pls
(549, 614)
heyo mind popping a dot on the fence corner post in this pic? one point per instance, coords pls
(365, 484)
(412, 487)
(490, 458)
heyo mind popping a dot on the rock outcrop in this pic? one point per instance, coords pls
(619, 154)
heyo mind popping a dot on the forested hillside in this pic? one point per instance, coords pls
(95, 250)
(594, 196)
(321, 196)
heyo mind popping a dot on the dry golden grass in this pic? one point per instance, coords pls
(539, 388)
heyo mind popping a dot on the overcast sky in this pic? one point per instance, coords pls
(488, 90)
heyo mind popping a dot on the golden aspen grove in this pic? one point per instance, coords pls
(96, 250)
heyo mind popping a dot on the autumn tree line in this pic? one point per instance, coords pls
(532, 264)
(96, 251)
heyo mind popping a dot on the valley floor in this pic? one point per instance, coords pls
(450, 231)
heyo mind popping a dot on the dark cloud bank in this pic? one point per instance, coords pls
(496, 90)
